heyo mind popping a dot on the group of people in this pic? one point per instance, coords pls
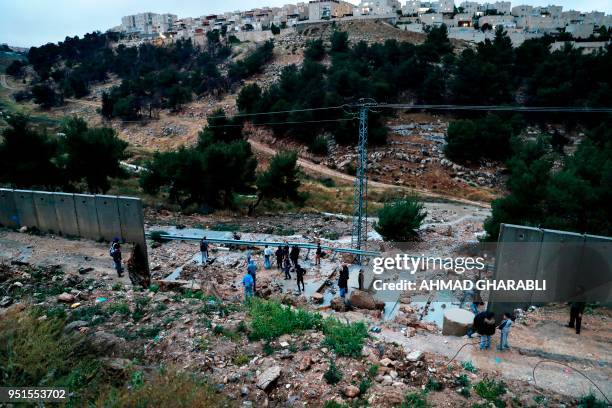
(484, 325)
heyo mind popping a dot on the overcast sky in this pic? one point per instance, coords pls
(26, 23)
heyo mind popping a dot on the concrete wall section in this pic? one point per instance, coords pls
(8, 211)
(108, 217)
(85, 207)
(25, 208)
(66, 214)
(131, 218)
(44, 202)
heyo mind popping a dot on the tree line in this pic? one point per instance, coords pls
(493, 72)
(77, 158)
(152, 77)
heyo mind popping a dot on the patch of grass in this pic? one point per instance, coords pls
(37, 353)
(331, 235)
(136, 380)
(160, 307)
(345, 339)
(154, 287)
(118, 286)
(591, 401)
(433, 385)
(222, 331)
(334, 404)
(465, 392)
(364, 385)
(468, 366)
(373, 370)
(202, 343)
(283, 230)
(462, 381)
(148, 332)
(167, 388)
(415, 400)
(141, 307)
(490, 390)
(121, 308)
(222, 226)
(240, 360)
(94, 314)
(268, 348)
(157, 236)
(270, 320)
(333, 375)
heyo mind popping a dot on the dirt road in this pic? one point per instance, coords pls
(326, 171)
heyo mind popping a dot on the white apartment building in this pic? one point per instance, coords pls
(580, 30)
(411, 7)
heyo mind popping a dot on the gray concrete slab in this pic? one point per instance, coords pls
(66, 214)
(8, 211)
(131, 219)
(26, 211)
(44, 202)
(108, 217)
(85, 207)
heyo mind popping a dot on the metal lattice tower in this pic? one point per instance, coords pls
(360, 202)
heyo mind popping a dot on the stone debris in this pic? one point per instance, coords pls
(267, 378)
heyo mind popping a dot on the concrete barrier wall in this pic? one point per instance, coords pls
(565, 260)
(8, 211)
(66, 214)
(83, 215)
(87, 216)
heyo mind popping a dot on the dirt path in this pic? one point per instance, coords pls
(320, 169)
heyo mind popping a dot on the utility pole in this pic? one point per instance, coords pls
(359, 235)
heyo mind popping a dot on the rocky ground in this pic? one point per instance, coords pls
(204, 327)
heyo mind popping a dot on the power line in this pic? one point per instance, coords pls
(561, 109)
(285, 123)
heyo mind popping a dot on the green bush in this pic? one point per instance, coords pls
(318, 146)
(333, 375)
(400, 220)
(415, 400)
(591, 401)
(270, 320)
(433, 385)
(344, 339)
(490, 389)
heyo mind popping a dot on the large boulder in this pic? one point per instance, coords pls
(456, 322)
(268, 378)
(365, 300)
(107, 343)
(338, 304)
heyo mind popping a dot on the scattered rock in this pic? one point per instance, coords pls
(414, 356)
(317, 298)
(77, 324)
(338, 304)
(351, 391)
(306, 363)
(66, 298)
(364, 300)
(266, 379)
(6, 301)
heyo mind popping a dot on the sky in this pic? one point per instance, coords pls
(25, 23)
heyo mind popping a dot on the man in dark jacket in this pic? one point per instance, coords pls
(294, 255)
(299, 271)
(279, 257)
(115, 253)
(343, 281)
(576, 311)
(484, 324)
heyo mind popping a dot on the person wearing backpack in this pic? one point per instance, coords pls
(115, 253)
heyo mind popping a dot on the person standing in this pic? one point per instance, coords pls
(249, 284)
(294, 255)
(267, 256)
(343, 281)
(360, 279)
(299, 272)
(318, 254)
(576, 312)
(279, 257)
(287, 267)
(486, 329)
(204, 250)
(505, 331)
(252, 270)
(115, 253)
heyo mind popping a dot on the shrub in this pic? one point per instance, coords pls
(333, 375)
(121, 308)
(433, 385)
(462, 380)
(591, 401)
(468, 366)
(344, 339)
(415, 400)
(167, 388)
(401, 219)
(490, 389)
(270, 320)
(318, 146)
